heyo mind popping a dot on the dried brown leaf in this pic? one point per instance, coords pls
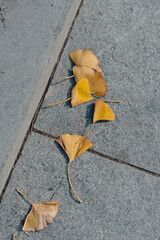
(97, 84)
(40, 215)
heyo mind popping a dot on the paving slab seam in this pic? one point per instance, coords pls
(124, 163)
(104, 155)
(17, 158)
(54, 58)
(43, 133)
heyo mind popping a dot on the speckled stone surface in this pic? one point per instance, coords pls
(118, 202)
(26, 41)
(124, 35)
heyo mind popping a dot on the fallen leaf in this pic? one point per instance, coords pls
(73, 145)
(102, 112)
(81, 93)
(97, 84)
(40, 215)
(85, 58)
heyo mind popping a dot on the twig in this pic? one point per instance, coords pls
(59, 185)
(86, 29)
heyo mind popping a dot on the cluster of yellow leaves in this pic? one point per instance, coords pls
(89, 80)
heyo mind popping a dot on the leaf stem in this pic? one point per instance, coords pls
(25, 196)
(68, 77)
(86, 133)
(51, 104)
(89, 130)
(71, 184)
(105, 100)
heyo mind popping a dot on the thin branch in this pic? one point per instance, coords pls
(59, 185)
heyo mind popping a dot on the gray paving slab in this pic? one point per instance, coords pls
(31, 41)
(118, 202)
(124, 35)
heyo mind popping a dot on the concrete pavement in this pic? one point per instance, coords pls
(32, 43)
(118, 180)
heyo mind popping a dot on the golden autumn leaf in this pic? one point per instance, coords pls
(102, 112)
(97, 84)
(73, 145)
(85, 58)
(40, 215)
(81, 93)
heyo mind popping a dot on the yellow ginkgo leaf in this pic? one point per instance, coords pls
(102, 112)
(85, 58)
(97, 84)
(81, 93)
(40, 215)
(73, 145)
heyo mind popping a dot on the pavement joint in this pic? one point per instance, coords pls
(124, 163)
(43, 133)
(104, 155)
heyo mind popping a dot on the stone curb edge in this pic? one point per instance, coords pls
(38, 94)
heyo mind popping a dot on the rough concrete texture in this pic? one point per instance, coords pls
(124, 35)
(118, 202)
(32, 28)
